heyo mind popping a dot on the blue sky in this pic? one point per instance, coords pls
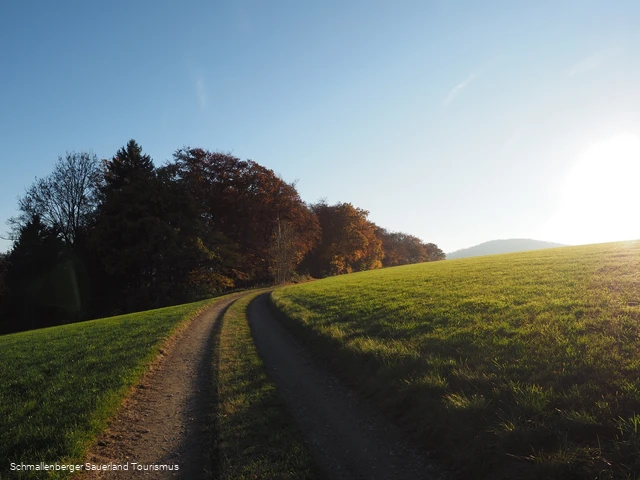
(458, 122)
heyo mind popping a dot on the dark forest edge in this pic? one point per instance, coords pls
(106, 237)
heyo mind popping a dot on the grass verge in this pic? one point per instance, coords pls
(512, 366)
(59, 385)
(256, 437)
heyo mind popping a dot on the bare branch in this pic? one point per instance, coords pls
(64, 200)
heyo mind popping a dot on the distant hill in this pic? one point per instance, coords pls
(502, 246)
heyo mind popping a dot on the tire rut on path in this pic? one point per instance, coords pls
(165, 421)
(349, 439)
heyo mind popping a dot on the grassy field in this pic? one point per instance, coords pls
(59, 385)
(522, 365)
(255, 437)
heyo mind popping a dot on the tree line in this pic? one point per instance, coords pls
(97, 238)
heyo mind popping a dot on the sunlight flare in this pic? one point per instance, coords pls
(599, 199)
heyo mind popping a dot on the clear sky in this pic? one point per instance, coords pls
(458, 122)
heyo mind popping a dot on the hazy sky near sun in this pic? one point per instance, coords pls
(458, 122)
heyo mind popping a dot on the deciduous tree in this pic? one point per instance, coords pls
(65, 200)
(198, 259)
(284, 256)
(348, 241)
(402, 249)
(244, 201)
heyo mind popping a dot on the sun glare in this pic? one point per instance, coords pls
(600, 197)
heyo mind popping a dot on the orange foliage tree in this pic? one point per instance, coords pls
(245, 201)
(402, 248)
(348, 242)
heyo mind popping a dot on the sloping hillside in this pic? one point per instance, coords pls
(509, 366)
(59, 385)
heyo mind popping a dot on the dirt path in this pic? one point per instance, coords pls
(350, 441)
(165, 421)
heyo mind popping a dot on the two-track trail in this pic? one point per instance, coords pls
(350, 440)
(165, 420)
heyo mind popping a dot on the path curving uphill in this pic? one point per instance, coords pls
(164, 421)
(349, 439)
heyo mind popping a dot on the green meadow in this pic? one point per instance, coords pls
(522, 365)
(255, 436)
(59, 385)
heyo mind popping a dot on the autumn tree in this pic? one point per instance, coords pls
(348, 242)
(402, 249)
(245, 201)
(199, 260)
(282, 261)
(434, 253)
(289, 245)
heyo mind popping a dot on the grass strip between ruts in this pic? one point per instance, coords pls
(60, 385)
(256, 437)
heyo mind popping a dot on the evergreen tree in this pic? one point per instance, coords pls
(128, 167)
(128, 230)
(41, 279)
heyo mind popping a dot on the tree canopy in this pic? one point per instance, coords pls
(402, 248)
(99, 238)
(348, 242)
(65, 200)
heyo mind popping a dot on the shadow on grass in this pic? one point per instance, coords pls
(210, 369)
(252, 434)
(486, 424)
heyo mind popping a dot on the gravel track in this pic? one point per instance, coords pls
(165, 420)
